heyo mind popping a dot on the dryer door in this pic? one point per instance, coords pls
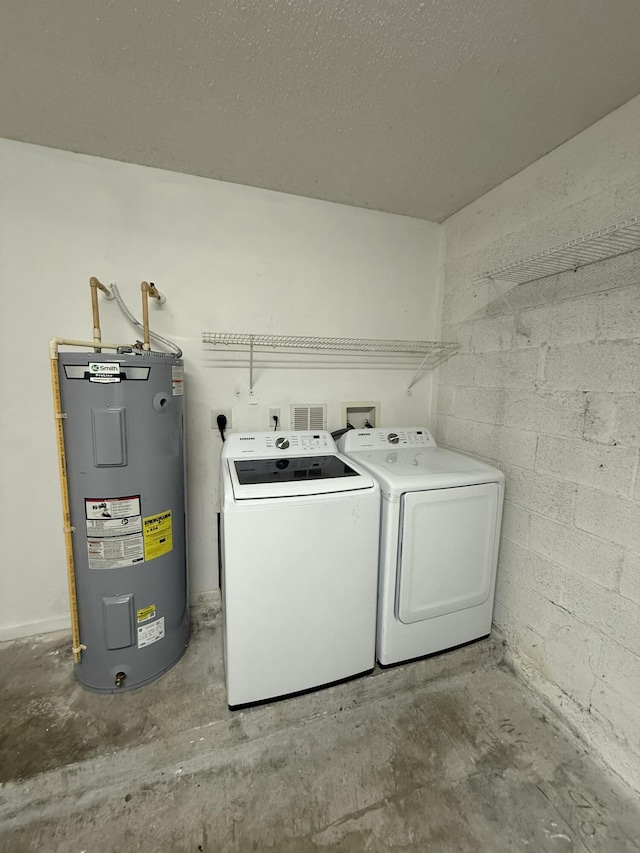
(447, 555)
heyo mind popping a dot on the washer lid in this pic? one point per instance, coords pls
(295, 475)
(413, 469)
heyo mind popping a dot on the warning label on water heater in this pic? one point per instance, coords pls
(177, 380)
(112, 507)
(158, 535)
(114, 532)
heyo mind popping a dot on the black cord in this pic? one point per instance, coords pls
(221, 420)
(340, 432)
(275, 422)
(368, 425)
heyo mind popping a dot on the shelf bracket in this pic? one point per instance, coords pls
(418, 371)
(519, 324)
(251, 366)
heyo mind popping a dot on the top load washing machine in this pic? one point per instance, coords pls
(299, 551)
(440, 530)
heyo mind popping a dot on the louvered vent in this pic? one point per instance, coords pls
(309, 416)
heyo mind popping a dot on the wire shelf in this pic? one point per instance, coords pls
(600, 245)
(395, 353)
(362, 345)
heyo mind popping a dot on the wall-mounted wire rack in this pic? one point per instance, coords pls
(619, 239)
(334, 352)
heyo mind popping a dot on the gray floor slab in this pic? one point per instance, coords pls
(452, 753)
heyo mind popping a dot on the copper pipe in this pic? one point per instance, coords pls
(145, 287)
(154, 293)
(96, 285)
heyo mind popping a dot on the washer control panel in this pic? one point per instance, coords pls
(379, 439)
(263, 444)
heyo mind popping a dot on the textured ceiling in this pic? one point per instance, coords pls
(399, 105)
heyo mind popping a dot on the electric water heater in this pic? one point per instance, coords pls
(124, 446)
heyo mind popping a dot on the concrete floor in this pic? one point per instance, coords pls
(447, 754)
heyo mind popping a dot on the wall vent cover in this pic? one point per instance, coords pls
(309, 416)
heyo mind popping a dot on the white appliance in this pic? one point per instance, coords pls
(439, 535)
(299, 551)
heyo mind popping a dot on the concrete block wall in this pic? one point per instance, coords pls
(558, 409)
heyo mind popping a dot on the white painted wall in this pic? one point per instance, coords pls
(559, 411)
(229, 258)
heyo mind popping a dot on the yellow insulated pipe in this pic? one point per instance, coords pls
(96, 285)
(66, 515)
(148, 290)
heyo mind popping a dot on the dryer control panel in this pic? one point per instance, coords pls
(379, 439)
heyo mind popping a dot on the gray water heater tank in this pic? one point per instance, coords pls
(124, 446)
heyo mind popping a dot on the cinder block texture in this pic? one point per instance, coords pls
(445, 399)
(539, 613)
(459, 370)
(585, 555)
(610, 517)
(620, 669)
(514, 369)
(570, 656)
(456, 433)
(619, 313)
(555, 498)
(558, 410)
(515, 523)
(608, 366)
(509, 446)
(572, 322)
(597, 465)
(507, 589)
(492, 333)
(608, 612)
(612, 418)
(484, 405)
(555, 414)
(619, 714)
(630, 577)
(531, 570)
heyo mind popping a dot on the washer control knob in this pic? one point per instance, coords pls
(393, 438)
(282, 443)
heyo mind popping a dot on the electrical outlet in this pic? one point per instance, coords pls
(274, 413)
(214, 417)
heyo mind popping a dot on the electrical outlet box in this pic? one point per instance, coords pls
(214, 417)
(361, 414)
(274, 412)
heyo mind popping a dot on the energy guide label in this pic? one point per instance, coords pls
(114, 532)
(148, 634)
(158, 535)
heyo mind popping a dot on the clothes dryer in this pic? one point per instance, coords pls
(299, 550)
(439, 534)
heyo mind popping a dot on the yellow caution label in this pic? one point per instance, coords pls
(146, 613)
(158, 535)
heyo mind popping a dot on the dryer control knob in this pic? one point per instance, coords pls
(282, 443)
(393, 438)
